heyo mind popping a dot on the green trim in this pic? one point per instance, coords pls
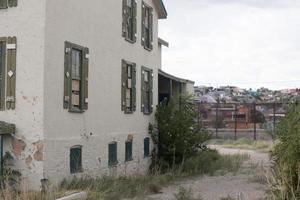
(83, 92)
(76, 160)
(128, 151)
(150, 71)
(3, 73)
(113, 154)
(147, 147)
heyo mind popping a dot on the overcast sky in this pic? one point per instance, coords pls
(247, 43)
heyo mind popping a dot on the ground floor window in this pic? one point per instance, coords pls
(112, 154)
(128, 150)
(146, 147)
(76, 159)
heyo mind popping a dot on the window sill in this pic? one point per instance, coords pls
(131, 159)
(113, 164)
(130, 41)
(75, 111)
(148, 49)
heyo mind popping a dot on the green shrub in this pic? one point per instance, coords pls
(176, 133)
(285, 183)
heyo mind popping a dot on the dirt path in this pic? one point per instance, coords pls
(244, 185)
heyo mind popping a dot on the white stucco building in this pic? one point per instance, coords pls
(78, 86)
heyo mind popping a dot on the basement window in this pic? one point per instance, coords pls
(76, 159)
(112, 154)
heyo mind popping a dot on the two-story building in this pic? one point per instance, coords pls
(78, 86)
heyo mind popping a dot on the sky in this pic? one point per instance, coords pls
(245, 43)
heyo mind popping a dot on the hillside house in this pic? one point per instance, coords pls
(78, 86)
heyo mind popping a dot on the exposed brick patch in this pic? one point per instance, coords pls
(38, 154)
(18, 146)
(28, 161)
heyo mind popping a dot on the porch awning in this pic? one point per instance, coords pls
(6, 128)
(174, 78)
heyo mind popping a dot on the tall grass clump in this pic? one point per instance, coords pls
(285, 174)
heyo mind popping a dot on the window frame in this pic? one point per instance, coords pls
(79, 168)
(68, 76)
(3, 72)
(133, 16)
(146, 150)
(5, 4)
(112, 163)
(148, 45)
(128, 150)
(143, 91)
(125, 86)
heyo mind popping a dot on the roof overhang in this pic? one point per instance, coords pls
(161, 9)
(163, 42)
(174, 78)
(6, 128)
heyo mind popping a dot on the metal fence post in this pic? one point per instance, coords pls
(274, 119)
(217, 119)
(235, 121)
(254, 113)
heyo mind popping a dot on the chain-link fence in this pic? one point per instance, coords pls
(237, 120)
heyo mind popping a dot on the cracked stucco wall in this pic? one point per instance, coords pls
(98, 26)
(27, 23)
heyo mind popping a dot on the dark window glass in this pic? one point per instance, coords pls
(128, 150)
(76, 160)
(112, 154)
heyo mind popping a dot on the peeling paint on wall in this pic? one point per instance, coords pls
(38, 154)
(18, 146)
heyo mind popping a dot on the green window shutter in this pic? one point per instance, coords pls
(124, 18)
(128, 150)
(143, 23)
(2, 72)
(112, 154)
(151, 29)
(67, 75)
(142, 90)
(123, 85)
(75, 160)
(12, 3)
(151, 90)
(134, 20)
(146, 146)
(11, 72)
(3, 4)
(134, 87)
(86, 78)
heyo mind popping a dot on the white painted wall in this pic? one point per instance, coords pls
(27, 23)
(98, 26)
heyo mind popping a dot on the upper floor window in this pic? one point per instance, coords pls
(147, 90)
(128, 87)
(147, 26)
(8, 3)
(8, 55)
(76, 77)
(129, 20)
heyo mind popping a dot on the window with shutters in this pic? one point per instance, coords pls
(128, 150)
(112, 154)
(147, 90)
(8, 3)
(129, 20)
(147, 26)
(146, 147)
(76, 159)
(76, 77)
(8, 56)
(128, 101)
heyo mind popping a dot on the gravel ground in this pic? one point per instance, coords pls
(244, 185)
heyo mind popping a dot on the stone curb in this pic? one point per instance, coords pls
(76, 196)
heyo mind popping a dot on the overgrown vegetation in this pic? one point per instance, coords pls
(176, 133)
(285, 174)
(184, 194)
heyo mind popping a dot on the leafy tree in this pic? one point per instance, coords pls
(177, 133)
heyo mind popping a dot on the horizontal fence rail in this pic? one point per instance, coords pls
(233, 120)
